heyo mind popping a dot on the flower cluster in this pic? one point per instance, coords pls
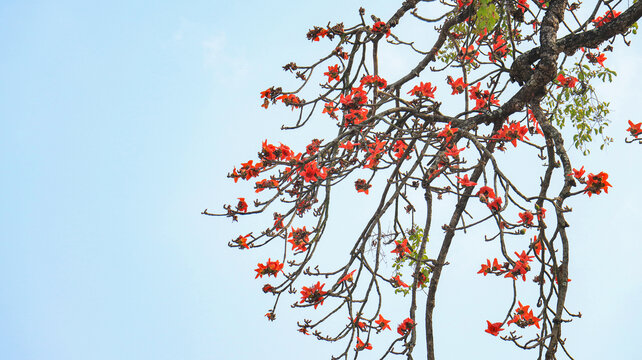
(524, 317)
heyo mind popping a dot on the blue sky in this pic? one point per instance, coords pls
(119, 121)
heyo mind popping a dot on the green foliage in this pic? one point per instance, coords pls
(487, 16)
(409, 260)
(581, 106)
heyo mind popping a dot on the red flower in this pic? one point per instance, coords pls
(329, 109)
(374, 80)
(458, 85)
(524, 317)
(270, 315)
(360, 345)
(578, 173)
(267, 288)
(241, 241)
(512, 133)
(397, 282)
(381, 28)
(347, 277)
(496, 204)
(315, 33)
(290, 100)
(596, 59)
(332, 73)
(425, 90)
(270, 268)
(313, 294)
(299, 239)
(601, 20)
(537, 245)
(468, 53)
(355, 99)
(242, 205)
(311, 172)
(526, 218)
(494, 328)
(635, 129)
(383, 323)
(488, 268)
(360, 324)
(405, 327)
(485, 192)
(453, 151)
(447, 132)
(348, 145)
(362, 186)
(399, 148)
(596, 183)
(401, 248)
(462, 3)
(567, 82)
(465, 181)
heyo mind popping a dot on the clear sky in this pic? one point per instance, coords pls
(119, 121)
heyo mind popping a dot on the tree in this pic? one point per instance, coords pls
(521, 76)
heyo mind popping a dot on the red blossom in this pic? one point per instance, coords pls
(383, 323)
(270, 268)
(397, 282)
(360, 345)
(567, 82)
(607, 17)
(401, 248)
(596, 183)
(488, 268)
(241, 241)
(425, 90)
(332, 73)
(635, 129)
(465, 181)
(578, 173)
(314, 294)
(399, 148)
(375, 81)
(362, 186)
(458, 85)
(596, 59)
(494, 328)
(347, 277)
(381, 27)
(299, 238)
(526, 218)
(512, 133)
(467, 54)
(405, 327)
(242, 205)
(447, 132)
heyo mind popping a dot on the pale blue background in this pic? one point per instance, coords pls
(118, 123)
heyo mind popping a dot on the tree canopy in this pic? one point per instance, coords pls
(476, 129)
